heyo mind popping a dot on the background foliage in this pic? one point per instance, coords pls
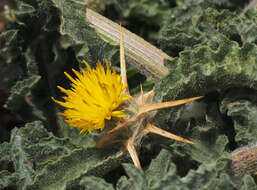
(215, 54)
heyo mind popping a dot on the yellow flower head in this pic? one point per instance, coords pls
(95, 95)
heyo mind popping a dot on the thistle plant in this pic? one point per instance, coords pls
(97, 95)
(203, 48)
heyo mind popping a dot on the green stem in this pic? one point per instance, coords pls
(141, 54)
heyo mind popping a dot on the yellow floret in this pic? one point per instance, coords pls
(95, 95)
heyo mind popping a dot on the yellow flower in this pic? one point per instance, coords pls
(95, 95)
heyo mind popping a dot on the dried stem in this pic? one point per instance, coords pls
(244, 160)
(252, 4)
(146, 57)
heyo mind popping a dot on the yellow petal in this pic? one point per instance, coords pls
(94, 96)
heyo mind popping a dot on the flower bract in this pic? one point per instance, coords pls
(95, 95)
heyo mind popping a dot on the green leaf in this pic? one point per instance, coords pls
(204, 70)
(91, 161)
(84, 39)
(19, 90)
(248, 183)
(212, 176)
(241, 108)
(200, 25)
(7, 179)
(32, 147)
(96, 183)
(24, 9)
(136, 177)
(43, 161)
(10, 36)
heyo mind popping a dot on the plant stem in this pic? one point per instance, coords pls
(244, 160)
(251, 5)
(141, 54)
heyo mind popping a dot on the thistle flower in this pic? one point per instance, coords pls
(94, 96)
(97, 95)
